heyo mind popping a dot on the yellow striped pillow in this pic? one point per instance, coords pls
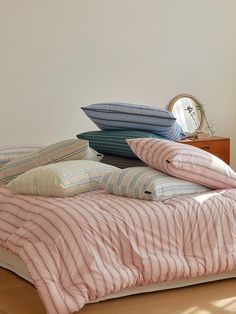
(65, 150)
(62, 179)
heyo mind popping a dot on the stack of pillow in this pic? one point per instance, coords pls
(121, 121)
(71, 167)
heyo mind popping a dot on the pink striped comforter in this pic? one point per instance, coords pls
(81, 248)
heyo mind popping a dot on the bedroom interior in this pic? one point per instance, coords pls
(91, 86)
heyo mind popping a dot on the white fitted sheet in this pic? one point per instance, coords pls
(13, 263)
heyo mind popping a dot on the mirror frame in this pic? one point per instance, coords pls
(173, 101)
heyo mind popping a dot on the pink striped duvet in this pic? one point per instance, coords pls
(82, 248)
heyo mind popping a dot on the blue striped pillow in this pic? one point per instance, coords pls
(119, 116)
(173, 133)
(147, 183)
(114, 142)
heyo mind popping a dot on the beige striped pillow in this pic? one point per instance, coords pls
(15, 151)
(65, 150)
(11, 152)
(185, 162)
(63, 179)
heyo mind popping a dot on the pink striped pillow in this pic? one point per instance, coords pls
(185, 162)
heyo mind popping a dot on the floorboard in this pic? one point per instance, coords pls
(19, 297)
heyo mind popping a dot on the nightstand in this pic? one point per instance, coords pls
(216, 145)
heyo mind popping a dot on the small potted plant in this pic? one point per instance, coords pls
(199, 107)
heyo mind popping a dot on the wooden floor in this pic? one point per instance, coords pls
(19, 297)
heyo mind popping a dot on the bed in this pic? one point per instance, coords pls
(13, 263)
(97, 246)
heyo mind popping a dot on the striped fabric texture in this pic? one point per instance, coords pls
(65, 150)
(14, 151)
(92, 155)
(123, 116)
(62, 179)
(122, 162)
(185, 161)
(113, 142)
(3, 162)
(10, 152)
(173, 133)
(81, 248)
(146, 183)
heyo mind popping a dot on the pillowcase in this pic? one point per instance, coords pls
(93, 155)
(63, 179)
(147, 183)
(122, 162)
(119, 116)
(15, 151)
(185, 161)
(64, 150)
(114, 142)
(173, 133)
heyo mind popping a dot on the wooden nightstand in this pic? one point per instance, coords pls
(216, 145)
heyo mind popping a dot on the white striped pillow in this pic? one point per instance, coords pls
(147, 183)
(63, 179)
(184, 161)
(65, 150)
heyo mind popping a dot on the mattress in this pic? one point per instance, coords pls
(13, 263)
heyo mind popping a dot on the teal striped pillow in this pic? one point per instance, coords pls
(114, 142)
(147, 183)
(65, 150)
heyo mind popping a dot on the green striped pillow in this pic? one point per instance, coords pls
(63, 179)
(64, 150)
(114, 142)
(147, 183)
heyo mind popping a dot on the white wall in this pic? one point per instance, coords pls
(57, 55)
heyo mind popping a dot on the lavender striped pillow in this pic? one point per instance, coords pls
(185, 162)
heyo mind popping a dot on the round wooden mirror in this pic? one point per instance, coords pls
(188, 112)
